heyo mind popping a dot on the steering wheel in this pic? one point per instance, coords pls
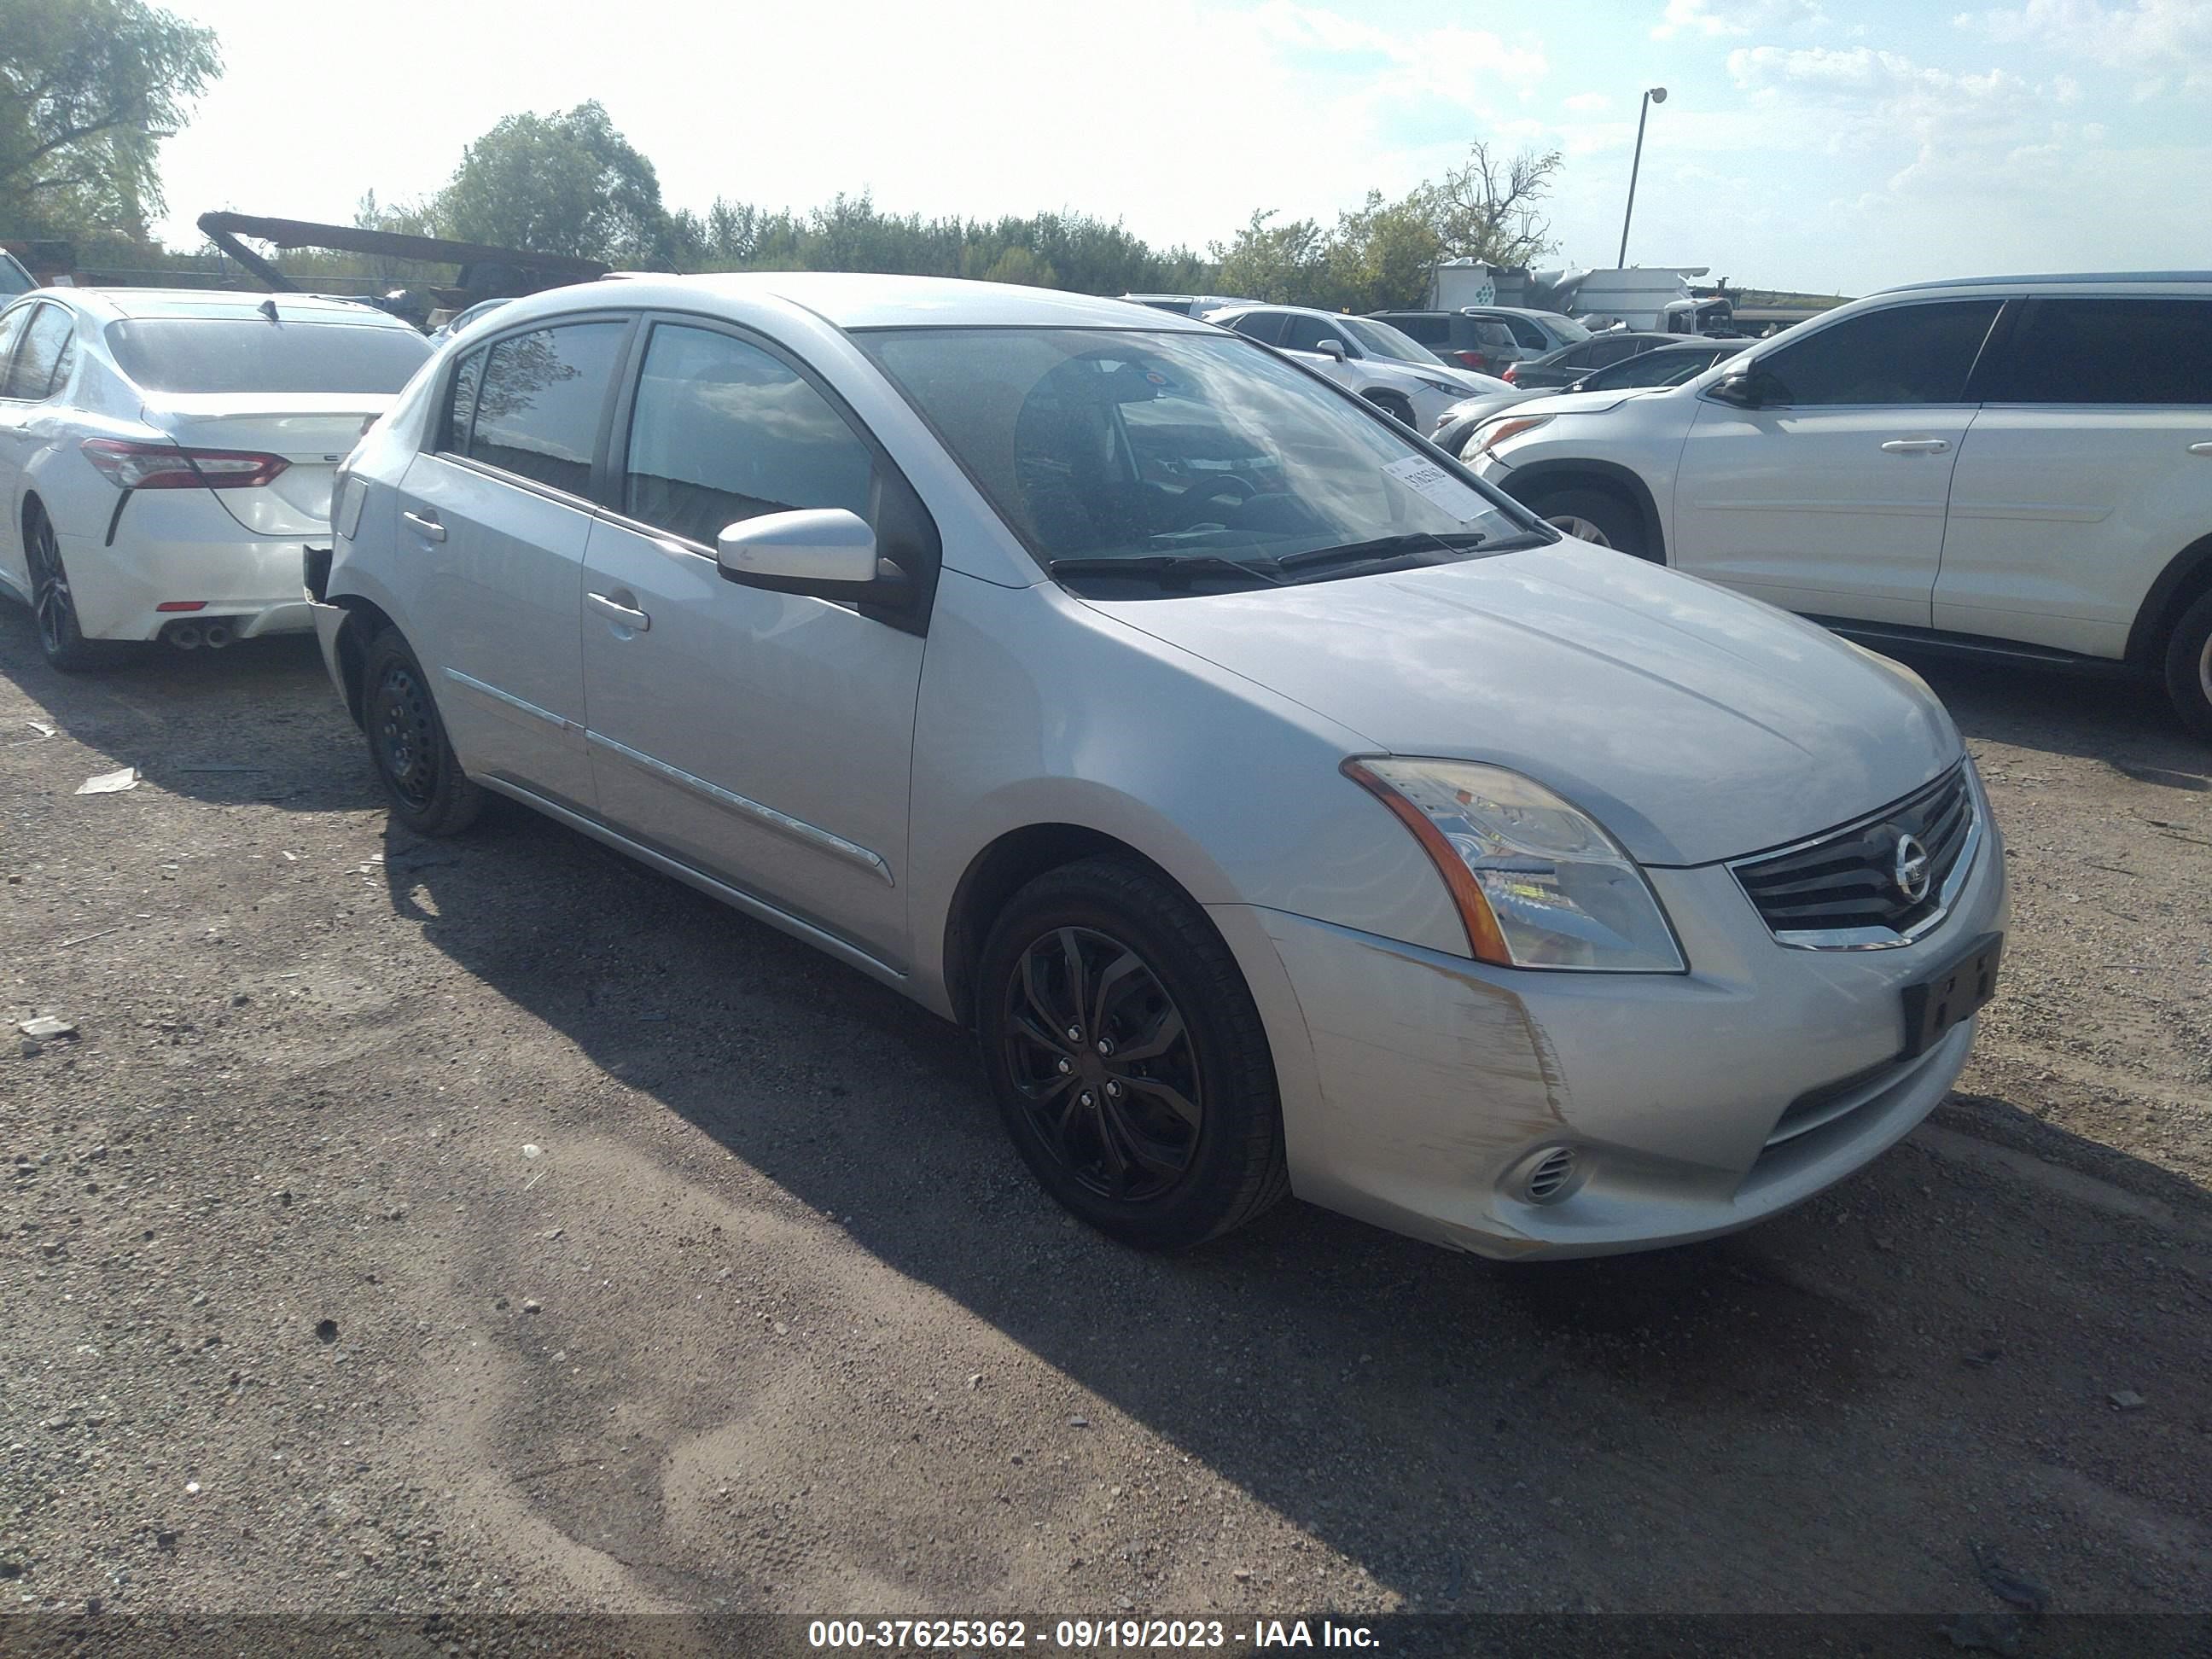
(1221, 487)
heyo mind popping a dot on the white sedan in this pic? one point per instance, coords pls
(1392, 370)
(166, 456)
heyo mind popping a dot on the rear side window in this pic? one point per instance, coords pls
(2108, 351)
(721, 432)
(539, 401)
(1919, 354)
(232, 354)
(41, 357)
(1429, 331)
(1526, 335)
(1266, 326)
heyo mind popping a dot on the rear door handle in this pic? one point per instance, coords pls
(614, 611)
(1915, 447)
(426, 524)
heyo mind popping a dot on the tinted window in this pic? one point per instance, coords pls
(230, 353)
(1428, 329)
(1381, 340)
(461, 404)
(722, 431)
(31, 375)
(1612, 349)
(14, 279)
(1526, 335)
(1574, 356)
(1651, 368)
(2109, 352)
(1306, 334)
(1265, 325)
(1904, 354)
(538, 406)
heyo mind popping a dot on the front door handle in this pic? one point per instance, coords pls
(426, 524)
(1915, 447)
(614, 611)
(2200, 449)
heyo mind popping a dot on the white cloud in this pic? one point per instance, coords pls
(2163, 41)
(1713, 18)
(1590, 103)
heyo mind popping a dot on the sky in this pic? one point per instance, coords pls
(1814, 145)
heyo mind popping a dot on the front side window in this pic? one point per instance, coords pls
(721, 431)
(1306, 333)
(2108, 351)
(1650, 368)
(1166, 448)
(46, 342)
(1381, 340)
(538, 404)
(1909, 353)
(232, 354)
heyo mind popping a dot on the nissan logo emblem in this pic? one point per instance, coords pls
(1910, 869)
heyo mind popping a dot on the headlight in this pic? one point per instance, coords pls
(1538, 883)
(1445, 387)
(1493, 433)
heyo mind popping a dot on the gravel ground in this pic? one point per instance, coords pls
(496, 1225)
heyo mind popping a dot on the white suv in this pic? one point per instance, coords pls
(2019, 466)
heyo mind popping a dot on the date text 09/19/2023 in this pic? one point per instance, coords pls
(1084, 1635)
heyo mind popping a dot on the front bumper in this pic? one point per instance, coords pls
(179, 551)
(1419, 1088)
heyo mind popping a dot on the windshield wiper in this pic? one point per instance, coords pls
(1170, 564)
(1382, 547)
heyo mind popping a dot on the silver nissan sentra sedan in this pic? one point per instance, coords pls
(1285, 810)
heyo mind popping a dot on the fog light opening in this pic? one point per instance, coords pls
(1552, 1176)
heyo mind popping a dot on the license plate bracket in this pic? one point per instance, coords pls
(1952, 992)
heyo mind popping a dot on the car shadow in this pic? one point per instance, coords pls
(1430, 1416)
(2125, 724)
(255, 721)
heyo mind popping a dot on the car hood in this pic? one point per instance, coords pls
(1467, 378)
(1584, 403)
(1695, 724)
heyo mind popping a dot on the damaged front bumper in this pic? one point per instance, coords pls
(1525, 1113)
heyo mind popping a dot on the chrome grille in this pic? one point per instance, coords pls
(1844, 891)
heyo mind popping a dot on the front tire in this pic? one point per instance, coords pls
(2188, 667)
(422, 780)
(1128, 1061)
(1595, 516)
(1397, 408)
(53, 606)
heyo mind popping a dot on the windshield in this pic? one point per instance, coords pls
(1384, 341)
(1101, 445)
(230, 353)
(1567, 330)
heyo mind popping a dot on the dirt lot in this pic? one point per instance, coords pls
(498, 1225)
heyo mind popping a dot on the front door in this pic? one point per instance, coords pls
(496, 519)
(1829, 498)
(762, 737)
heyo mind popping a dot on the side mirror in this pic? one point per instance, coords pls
(1331, 348)
(1748, 388)
(829, 549)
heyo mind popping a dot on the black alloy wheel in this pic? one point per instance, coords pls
(53, 606)
(1103, 1060)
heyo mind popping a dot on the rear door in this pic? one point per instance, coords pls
(1830, 499)
(15, 447)
(2089, 467)
(763, 737)
(495, 518)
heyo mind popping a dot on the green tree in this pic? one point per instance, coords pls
(558, 184)
(1381, 256)
(1283, 264)
(89, 88)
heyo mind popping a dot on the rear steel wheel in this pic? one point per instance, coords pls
(422, 778)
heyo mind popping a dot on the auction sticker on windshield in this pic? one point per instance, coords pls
(1427, 479)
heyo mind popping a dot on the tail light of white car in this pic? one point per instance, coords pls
(168, 466)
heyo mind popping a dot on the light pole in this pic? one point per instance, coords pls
(1655, 95)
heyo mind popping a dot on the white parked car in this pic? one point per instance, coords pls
(1391, 369)
(166, 456)
(2016, 467)
(1284, 808)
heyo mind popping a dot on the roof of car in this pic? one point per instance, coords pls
(2060, 279)
(146, 302)
(857, 299)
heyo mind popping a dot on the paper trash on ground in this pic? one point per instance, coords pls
(108, 783)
